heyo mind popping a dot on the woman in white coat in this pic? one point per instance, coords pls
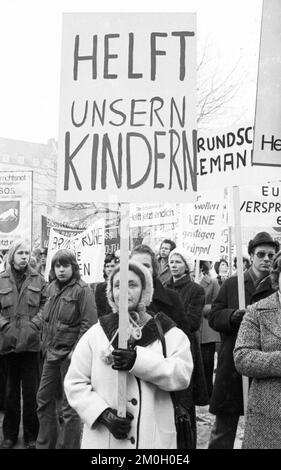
(91, 380)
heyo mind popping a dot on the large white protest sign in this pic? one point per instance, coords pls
(88, 247)
(260, 206)
(267, 138)
(202, 225)
(15, 206)
(128, 108)
(224, 158)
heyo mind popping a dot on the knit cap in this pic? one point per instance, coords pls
(185, 255)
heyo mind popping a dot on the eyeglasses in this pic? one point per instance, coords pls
(262, 254)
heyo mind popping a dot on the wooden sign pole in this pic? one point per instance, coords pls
(197, 271)
(123, 304)
(240, 275)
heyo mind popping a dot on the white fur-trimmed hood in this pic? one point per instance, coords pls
(147, 291)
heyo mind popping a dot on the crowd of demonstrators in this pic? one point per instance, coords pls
(192, 296)
(68, 313)
(209, 338)
(22, 297)
(149, 422)
(67, 333)
(225, 317)
(164, 273)
(257, 354)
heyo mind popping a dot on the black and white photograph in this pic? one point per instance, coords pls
(140, 229)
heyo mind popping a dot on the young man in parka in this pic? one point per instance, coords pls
(22, 297)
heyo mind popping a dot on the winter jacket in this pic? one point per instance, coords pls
(68, 313)
(193, 298)
(211, 288)
(167, 301)
(91, 385)
(257, 354)
(19, 325)
(227, 396)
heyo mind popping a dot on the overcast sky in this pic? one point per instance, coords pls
(30, 44)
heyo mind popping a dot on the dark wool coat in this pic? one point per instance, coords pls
(227, 396)
(193, 298)
(167, 301)
(257, 354)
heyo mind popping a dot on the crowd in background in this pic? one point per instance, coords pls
(59, 354)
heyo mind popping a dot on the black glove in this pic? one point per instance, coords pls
(237, 316)
(124, 359)
(119, 427)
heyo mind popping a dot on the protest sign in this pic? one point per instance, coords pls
(15, 206)
(64, 228)
(142, 215)
(68, 229)
(128, 108)
(88, 247)
(112, 239)
(201, 223)
(260, 206)
(224, 158)
(267, 138)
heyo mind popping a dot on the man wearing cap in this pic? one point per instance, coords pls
(22, 296)
(225, 317)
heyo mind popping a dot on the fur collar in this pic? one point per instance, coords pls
(109, 324)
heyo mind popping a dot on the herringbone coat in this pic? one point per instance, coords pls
(257, 354)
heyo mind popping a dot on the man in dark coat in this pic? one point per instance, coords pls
(22, 297)
(225, 317)
(68, 313)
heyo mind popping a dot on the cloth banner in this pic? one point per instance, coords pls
(88, 247)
